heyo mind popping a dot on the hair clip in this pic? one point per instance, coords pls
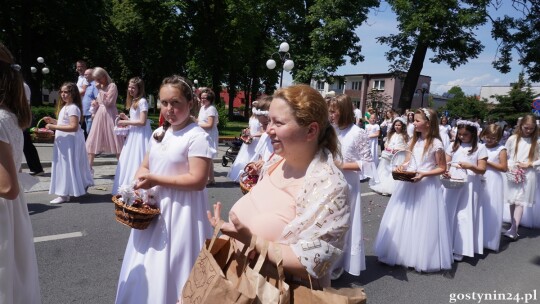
(15, 67)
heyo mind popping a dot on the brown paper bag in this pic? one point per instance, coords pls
(218, 275)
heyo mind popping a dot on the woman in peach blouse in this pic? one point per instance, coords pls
(300, 203)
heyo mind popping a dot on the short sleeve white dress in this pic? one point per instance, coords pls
(405, 240)
(493, 200)
(204, 114)
(135, 147)
(158, 260)
(70, 172)
(18, 265)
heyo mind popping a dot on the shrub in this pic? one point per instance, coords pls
(223, 116)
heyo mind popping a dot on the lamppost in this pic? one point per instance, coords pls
(285, 57)
(424, 90)
(44, 71)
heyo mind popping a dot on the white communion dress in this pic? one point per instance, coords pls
(493, 200)
(18, 265)
(386, 183)
(158, 260)
(135, 147)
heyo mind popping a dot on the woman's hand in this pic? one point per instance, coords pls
(144, 181)
(234, 229)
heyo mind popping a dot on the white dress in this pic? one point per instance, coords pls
(493, 200)
(246, 151)
(464, 207)
(386, 183)
(158, 260)
(70, 171)
(135, 147)
(414, 229)
(354, 148)
(410, 129)
(18, 265)
(521, 193)
(213, 133)
(443, 132)
(374, 142)
(263, 150)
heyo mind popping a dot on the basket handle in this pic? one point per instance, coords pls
(410, 158)
(39, 121)
(116, 120)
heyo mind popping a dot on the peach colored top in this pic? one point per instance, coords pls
(267, 209)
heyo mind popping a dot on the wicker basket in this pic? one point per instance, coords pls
(247, 181)
(120, 131)
(453, 182)
(408, 175)
(134, 217)
(42, 134)
(516, 175)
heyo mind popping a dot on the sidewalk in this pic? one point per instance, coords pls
(104, 167)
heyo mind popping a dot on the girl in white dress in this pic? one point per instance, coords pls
(493, 196)
(208, 119)
(397, 140)
(467, 160)
(136, 143)
(523, 153)
(19, 282)
(264, 148)
(356, 153)
(248, 149)
(374, 130)
(410, 124)
(414, 229)
(158, 260)
(70, 171)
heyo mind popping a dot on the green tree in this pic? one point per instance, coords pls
(467, 107)
(521, 34)
(517, 103)
(444, 27)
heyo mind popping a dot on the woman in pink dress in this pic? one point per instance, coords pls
(300, 204)
(102, 138)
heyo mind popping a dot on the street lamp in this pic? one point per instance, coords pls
(424, 90)
(44, 71)
(285, 57)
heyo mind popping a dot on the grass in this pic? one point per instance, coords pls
(233, 128)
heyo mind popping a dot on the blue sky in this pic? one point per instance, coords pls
(470, 77)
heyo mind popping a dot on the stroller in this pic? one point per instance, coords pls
(232, 151)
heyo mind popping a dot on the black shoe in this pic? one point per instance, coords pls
(40, 173)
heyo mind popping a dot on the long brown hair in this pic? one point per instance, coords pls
(75, 95)
(433, 129)
(12, 88)
(529, 118)
(344, 106)
(133, 101)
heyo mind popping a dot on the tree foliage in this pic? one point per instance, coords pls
(444, 27)
(520, 33)
(463, 106)
(516, 103)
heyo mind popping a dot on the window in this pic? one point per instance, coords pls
(320, 85)
(378, 85)
(341, 85)
(355, 85)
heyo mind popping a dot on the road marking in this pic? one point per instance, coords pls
(58, 236)
(368, 193)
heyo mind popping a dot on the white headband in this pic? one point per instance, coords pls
(426, 112)
(468, 123)
(260, 112)
(400, 119)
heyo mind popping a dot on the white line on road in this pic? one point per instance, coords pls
(368, 193)
(58, 236)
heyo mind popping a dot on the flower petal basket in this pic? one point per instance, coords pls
(42, 134)
(247, 181)
(118, 130)
(132, 216)
(516, 175)
(454, 182)
(406, 175)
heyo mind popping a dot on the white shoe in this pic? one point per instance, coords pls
(458, 257)
(511, 234)
(60, 199)
(336, 273)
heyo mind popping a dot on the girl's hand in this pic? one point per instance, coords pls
(123, 116)
(49, 126)
(47, 119)
(523, 165)
(122, 123)
(94, 103)
(144, 181)
(418, 177)
(464, 165)
(446, 174)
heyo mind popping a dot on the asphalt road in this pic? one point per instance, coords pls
(80, 248)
